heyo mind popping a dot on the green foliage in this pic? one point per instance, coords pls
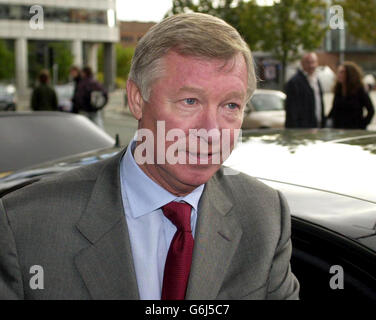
(244, 16)
(228, 10)
(360, 18)
(252, 24)
(6, 62)
(100, 77)
(63, 58)
(123, 60)
(39, 56)
(283, 29)
(293, 25)
(123, 63)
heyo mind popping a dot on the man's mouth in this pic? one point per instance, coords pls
(203, 158)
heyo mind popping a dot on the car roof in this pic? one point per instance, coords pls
(265, 154)
(330, 160)
(328, 176)
(29, 138)
(270, 91)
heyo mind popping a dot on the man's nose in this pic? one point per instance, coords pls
(210, 124)
(209, 119)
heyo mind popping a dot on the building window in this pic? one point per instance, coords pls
(55, 14)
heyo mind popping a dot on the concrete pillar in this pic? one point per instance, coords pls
(93, 57)
(77, 51)
(109, 66)
(22, 69)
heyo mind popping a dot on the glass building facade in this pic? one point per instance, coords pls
(69, 32)
(55, 14)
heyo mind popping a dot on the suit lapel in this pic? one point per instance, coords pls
(322, 104)
(106, 266)
(216, 240)
(306, 83)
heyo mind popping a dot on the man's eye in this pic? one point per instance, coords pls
(233, 106)
(190, 101)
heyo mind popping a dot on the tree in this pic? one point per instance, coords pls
(228, 10)
(6, 62)
(243, 16)
(291, 26)
(123, 60)
(44, 54)
(360, 18)
(284, 29)
(252, 24)
(63, 58)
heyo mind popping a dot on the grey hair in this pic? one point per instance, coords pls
(190, 34)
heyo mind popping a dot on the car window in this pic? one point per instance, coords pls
(267, 102)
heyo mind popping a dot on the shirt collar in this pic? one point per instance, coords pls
(143, 194)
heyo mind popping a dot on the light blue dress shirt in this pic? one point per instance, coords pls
(150, 231)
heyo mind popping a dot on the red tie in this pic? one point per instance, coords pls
(179, 256)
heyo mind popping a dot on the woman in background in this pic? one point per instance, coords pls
(350, 99)
(44, 96)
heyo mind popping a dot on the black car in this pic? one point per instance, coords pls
(30, 138)
(329, 180)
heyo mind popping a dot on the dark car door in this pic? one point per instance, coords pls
(318, 257)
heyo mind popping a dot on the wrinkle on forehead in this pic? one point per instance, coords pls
(187, 68)
(225, 65)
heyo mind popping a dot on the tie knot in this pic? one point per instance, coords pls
(179, 214)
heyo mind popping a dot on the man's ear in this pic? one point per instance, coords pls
(135, 101)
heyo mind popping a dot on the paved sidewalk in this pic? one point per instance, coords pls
(116, 104)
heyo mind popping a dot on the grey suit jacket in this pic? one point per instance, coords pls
(74, 227)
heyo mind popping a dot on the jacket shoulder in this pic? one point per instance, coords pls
(296, 78)
(238, 181)
(256, 205)
(62, 196)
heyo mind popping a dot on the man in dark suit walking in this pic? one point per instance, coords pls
(162, 219)
(304, 103)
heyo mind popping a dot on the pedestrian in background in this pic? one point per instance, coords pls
(75, 74)
(304, 98)
(44, 96)
(350, 99)
(89, 91)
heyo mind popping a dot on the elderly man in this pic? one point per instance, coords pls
(304, 102)
(151, 227)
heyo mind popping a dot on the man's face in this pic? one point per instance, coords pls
(194, 93)
(310, 63)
